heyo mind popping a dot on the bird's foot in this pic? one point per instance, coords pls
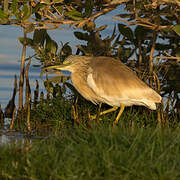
(94, 117)
(115, 123)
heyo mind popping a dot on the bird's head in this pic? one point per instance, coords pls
(67, 65)
(71, 63)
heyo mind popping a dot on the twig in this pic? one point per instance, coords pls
(21, 81)
(54, 16)
(28, 90)
(165, 57)
(104, 11)
(13, 119)
(122, 20)
(57, 10)
(145, 23)
(151, 56)
(28, 118)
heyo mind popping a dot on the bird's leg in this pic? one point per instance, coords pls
(98, 112)
(108, 111)
(104, 112)
(119, 114)
(75, 104)
(75, 110)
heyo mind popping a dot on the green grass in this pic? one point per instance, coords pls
(100, 152)
(86, 150)
(57, 114)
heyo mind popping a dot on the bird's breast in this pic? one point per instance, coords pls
(80, 83)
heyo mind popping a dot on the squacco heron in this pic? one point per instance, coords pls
(108, 80)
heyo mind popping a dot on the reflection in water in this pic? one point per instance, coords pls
(12, 138)
(7, 73)
(16, 139)
(11, 105)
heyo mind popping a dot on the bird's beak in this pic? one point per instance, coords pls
(57, 67)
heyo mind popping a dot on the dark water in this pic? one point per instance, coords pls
(7, 73)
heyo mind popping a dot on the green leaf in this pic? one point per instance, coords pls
(18, 15)
(3, 15)
(60, 9)
(48, 43)
(38, 16)
(14, 6)
(49, 86)
(54, 47)
(25, 12)
(66, 50)
(59, 79)
(51, 46)
(3, 21)
(21, 39)
(30, 28)
(125, 31)
(76, 15)
(58, 1)
(162, 47)
(128, 52)
(37, 7)
(140, 32)
(178, 52)
(89, 7)
(29, 42)
(177, 29)
(168, 29)
(81, 36)
(39, 36)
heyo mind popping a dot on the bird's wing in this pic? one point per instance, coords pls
(110, 77)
